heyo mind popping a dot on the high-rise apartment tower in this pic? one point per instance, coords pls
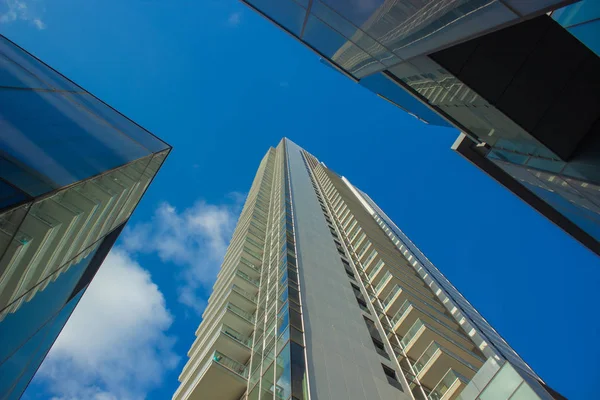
(518, 78)
(72, 170)
(321, 296)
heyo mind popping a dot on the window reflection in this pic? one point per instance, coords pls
(287, 13)
(28, 358)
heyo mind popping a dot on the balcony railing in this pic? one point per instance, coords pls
(383, 281)
(391, 296)
(238, 311)
(412, 332)
(247, 278)
(400, 313)
(230, 364)
(232, 333)
(249, 264)
(446, 383)
(431, 351)
(376, 270)
(243, 293)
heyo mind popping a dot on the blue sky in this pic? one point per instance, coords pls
(221, 85)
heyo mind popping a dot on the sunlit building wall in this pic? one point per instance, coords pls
(321, 296)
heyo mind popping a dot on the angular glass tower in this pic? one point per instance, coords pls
(518, 78)
(321, 296)
(72, 170)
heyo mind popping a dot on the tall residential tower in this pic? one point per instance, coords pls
(72, 170)
(518, 78)
(321, 296)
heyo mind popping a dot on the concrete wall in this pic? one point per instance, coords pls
(342, 361)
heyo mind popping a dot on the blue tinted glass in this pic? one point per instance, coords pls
(344, 53)
(10, 195)
(287, 13)
(283, 385)
(46, 133)
(582, 11)
(11, 370)
(35, 68)
(384, 86)
(21, 319)
(588, 34)
(322, 37)
(13, 75)
(120, 122)
(49, 333)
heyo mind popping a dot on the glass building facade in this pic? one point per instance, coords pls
(519, 78)
(72, 170)
(321, 296)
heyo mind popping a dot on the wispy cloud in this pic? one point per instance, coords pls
(235, 18)
(22, 10)
(195, 239)
(115, 344)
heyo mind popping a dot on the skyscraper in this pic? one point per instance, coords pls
(518, 78)
(72, 170)
(321, 296)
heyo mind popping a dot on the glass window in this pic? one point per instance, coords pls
(120, 122)
(336, 47)
(359, 39)
(287, 13)
(83, 145)
(39, 72)
(283, 387)
(299, 384)
(384, 86)
(24, 316)
(10, 195)
(450, 95)
(40, 343)
(267, 383)
(502, 385)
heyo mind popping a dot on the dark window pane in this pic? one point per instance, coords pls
(299, 385)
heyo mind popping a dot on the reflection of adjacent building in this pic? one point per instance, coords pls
(514, 76)
(72, 170)
(321, 295)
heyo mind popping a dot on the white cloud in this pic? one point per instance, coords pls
(195, 239)
(235, 18)
(115, 345)
(22, 10)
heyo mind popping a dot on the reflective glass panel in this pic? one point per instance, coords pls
(287, 13)
(82, 144)
(24, 316)
(50, 332)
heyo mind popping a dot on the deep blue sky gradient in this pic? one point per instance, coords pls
(221, 93)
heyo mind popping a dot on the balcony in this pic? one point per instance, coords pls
(244, 300)
(435, 361)
(246, 282)
(408, 313)
(240, 320)
(421, 335)
(450, 387)
(384, 281)
(229, 341)
(375, 271)
(249, 268)
(220, 378)
(399, 294)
